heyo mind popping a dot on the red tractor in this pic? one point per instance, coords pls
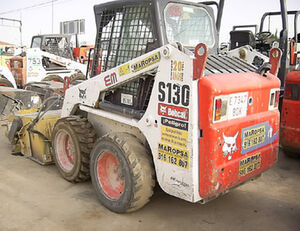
(289, 74)
(290, 114)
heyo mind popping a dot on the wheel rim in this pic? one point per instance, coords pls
(110, 175)
(65, 150)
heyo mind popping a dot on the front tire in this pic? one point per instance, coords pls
(122, 173)
(73, 139)
(5, 82)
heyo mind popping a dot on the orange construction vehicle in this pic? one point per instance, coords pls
(81, 54)
(290, 112)
(290, 115)
(17, 66)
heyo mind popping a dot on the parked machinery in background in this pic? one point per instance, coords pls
(6, 52)
(289, 72)
(50, 57)
(81, 54)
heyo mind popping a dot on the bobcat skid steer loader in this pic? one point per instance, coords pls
(161, 106)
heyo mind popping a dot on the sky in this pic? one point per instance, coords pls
(38, 19)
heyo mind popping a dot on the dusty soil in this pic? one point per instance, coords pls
(35, 197)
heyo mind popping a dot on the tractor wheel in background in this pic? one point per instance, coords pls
(122, 172)
(5, 82)
(291, 153)
(77, 76)
(72, 141)
(56, 78)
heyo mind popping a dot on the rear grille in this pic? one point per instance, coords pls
(217, 64)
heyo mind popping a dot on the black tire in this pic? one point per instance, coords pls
(135, 169)
(5, 82)
(291, 153)
(82, 137)
(77, 76)
(56, 78)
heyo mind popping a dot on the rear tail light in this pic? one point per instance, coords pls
(274, 99)
(220, 108)
(292, 91)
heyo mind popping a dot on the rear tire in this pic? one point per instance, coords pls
(73, 139)
(55, 78)
(5, 82)
(122, 172)
(77, 76)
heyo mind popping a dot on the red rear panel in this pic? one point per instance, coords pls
(290, 113)
(245, 144)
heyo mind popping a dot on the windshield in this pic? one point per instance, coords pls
(273, 24)
(36, 43)
(189, 25)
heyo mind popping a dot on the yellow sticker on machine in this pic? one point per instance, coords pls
(173, 155)
(124, 69)
(254, 136)
(249, 164)
(174, 136)
(146, 62)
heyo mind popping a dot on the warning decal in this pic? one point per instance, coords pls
(174, 136)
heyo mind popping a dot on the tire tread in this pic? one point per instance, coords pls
(86, 141)
(142, 168)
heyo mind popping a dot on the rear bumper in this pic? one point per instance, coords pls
(221, 171)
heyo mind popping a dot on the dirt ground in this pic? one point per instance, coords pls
(35, 197)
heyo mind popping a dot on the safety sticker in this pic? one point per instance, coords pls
(249, 164)
(174, 123)
(177, 70)
(174, 136)
(124, 69)
(140, 65)
(173, 111)
(127, 99)
(257, 136)
(172, 155)
(174, 11)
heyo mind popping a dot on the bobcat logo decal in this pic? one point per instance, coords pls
(229, 146)
(82, 93)
(163, 109)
